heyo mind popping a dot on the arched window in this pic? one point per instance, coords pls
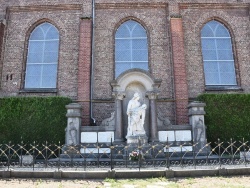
(42, 58)
(217, 54)
(131, 47)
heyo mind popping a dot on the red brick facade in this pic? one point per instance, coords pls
(84, 67)
(180, 76)
(174, 48)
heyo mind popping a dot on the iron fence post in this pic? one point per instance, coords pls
(232, 152)
(8, 164)
(111, 155)
(59, 161)
(33, 151)
(194, 159)
(244, 149)
(46, 154)
(140, 154)
(219, 145)
(167, 153)
(21, 154)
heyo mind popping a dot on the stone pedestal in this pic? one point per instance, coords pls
(72, 131)
(196, 119)
(143, 139)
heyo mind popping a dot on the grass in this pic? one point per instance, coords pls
(203, 182)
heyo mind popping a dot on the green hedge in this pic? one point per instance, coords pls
(31, 119)
(227, 116)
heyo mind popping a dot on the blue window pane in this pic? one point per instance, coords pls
(227, 78)
(130, 47)
(140, 55)
(52, 33)
(140, 65)
(50, 57)
(227, 67)
(211, 66)
(123, 55)
(42, 57)
(217, 55)
(207, 31)
(121, 67)
(37, 34)
(139, 31)
(122, 32)
(224, 43)
(33, 81)
(51, 46)
(212, 79)
(33, 70)
(35, 58)
(36, 46)
(221, 31)
(122, 44)
(139, 44)
(225, 55)
(208, 43)
(209, 55)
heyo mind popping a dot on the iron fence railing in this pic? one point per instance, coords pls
(169, 155)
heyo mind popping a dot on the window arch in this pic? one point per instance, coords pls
(131, 47)
(218, 59)
(42, 57)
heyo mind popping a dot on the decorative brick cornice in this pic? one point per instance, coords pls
(213, 5)
(130, 5)
(45, 8)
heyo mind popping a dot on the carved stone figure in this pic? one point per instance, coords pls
(163, 121)
(199, 130)
(72, 133)
(136, 116)
(109, 121)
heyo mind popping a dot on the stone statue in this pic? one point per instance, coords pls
(199, 131)
(72, 133)
(136, 116)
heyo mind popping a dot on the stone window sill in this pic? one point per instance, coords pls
(36, 90)
(223, 88)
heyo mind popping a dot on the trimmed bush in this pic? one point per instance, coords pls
(31, 119)
(227, 116)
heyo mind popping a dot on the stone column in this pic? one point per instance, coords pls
(73, 131)
(119, 137)
(153, 130)
(196, 119)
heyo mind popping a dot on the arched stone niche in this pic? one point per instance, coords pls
(124, 87)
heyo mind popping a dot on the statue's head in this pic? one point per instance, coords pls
(136, 96)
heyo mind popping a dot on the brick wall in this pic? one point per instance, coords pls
(66, 18)
(183, 56)
(153, 17)
(236, 19)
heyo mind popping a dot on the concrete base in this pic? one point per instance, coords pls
(70, 152)
(143, 139)
(126, 173)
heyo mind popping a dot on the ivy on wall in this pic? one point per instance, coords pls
(227, 116)
(31, 119)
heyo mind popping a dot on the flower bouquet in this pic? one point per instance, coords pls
(135, 156)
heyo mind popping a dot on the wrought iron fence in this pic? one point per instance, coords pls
(91, 156)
